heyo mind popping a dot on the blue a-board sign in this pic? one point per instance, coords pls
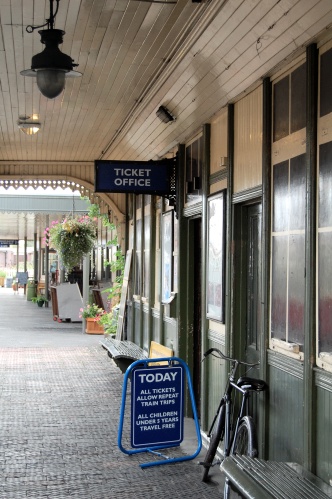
(157, 406)
(140, 177)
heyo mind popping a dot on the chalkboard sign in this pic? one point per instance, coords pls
(22, 277)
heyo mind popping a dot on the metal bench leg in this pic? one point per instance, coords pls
(226, 489)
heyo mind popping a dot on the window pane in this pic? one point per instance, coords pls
(325, 83)
(325, 291)
(325, 185)
(147, 235)
(194, 158)
(297, 189)
(281, 109)
(279, 287)
(138, 263)
(298, 98)
(193, 170)
(280, 197)
(188, 164)
(296, 289)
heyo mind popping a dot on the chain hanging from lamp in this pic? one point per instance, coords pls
(51, 67)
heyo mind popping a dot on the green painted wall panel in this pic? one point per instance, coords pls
(324, 434)
(285, 421)
(217, 385)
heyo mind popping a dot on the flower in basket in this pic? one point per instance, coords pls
(73, 238)
(90, 312)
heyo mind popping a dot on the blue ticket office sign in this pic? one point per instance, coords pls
(157, 406)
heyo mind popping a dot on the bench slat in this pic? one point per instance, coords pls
(259, 479)
(123, 349)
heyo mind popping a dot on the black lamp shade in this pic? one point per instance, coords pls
(51, 66)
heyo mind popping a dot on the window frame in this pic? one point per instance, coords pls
(284, 149)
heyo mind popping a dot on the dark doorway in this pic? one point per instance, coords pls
(254, 292)
(196, 250)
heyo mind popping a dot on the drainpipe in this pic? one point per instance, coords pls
(47, 265)
(35, 258)
(266, 250)
(25, 260)
(229, 344)
(85, 285)
(204, 321)
(310, 264)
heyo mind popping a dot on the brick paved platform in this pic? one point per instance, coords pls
(59, 408)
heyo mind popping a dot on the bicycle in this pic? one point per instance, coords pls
(238, 433)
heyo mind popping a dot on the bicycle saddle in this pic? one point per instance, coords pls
(256, 385)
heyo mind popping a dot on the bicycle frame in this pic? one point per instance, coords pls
(227, 425)
(230, 432)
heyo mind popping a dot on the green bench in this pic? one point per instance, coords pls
(125, 352)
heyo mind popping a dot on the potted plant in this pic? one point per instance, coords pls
(91, 313)
(39, 299)
(2, 278)
(109, 321)
(73, 238)
(15, 284)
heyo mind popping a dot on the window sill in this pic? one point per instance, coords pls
(290, 349)
(324, 361)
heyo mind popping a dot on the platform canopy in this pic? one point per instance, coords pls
(190, 57)
(23, 215)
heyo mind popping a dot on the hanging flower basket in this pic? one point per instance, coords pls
(73, 238)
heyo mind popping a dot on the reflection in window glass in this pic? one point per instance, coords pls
(298, 98)
(288, 251)
(280, 197)
(147, 238)
(281, 109)
(325, 185)
(138, 262)
(324, 288)
(297, 188)
(325, 291)
(325, 83)
(289, 103)
(194, 165)
(296, 289)
(279, 287)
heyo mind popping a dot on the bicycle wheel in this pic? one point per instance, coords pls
(246, 438)
(216, 436)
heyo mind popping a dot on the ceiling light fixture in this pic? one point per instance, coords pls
(164, 114)
(51, 66)
(28, 125)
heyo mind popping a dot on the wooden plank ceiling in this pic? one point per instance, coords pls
(134, 56)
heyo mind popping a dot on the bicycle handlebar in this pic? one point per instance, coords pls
(223, 356)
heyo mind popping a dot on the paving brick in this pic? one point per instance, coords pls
(59, 407)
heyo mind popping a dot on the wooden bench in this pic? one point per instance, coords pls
(126, 352)
(254, 478)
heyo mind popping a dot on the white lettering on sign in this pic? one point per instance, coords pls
(132, 172)
(130, 177)
(158, 377)
(133, 181)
